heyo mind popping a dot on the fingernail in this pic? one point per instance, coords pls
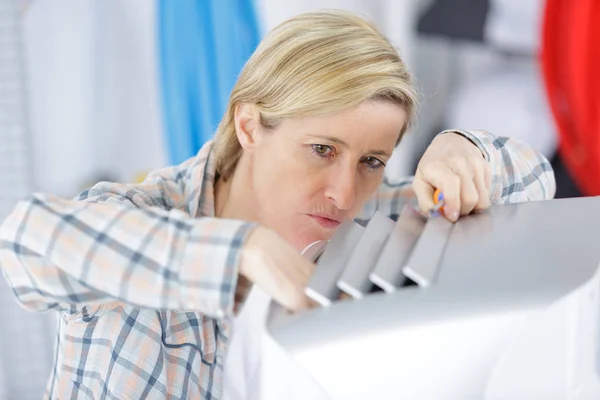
(451, 214)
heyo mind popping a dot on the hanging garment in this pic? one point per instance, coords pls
(203, 46)
(570, 65)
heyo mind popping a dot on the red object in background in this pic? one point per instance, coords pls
(571, 67)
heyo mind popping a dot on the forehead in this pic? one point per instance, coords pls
(375, 122)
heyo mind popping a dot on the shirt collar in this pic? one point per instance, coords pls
(202, 201)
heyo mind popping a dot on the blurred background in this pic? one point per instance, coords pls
(96, 90)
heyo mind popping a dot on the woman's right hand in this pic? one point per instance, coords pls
(277, 268)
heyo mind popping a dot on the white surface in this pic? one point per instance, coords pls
(555, 355)
(548, 352)
(283, 378)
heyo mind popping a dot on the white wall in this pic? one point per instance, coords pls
(94, 91)
(26, 338)
(89, 96)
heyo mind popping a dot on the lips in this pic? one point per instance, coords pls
(326, 221)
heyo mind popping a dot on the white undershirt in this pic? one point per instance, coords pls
(242, 366)
(241, 369)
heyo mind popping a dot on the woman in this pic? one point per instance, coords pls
(146, 277)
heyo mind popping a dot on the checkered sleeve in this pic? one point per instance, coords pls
(390, 199)
(519, 173)
(133, 243)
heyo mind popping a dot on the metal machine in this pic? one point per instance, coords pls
(503, 304)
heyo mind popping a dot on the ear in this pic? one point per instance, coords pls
(247, 121)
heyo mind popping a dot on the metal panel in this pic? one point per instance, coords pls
(355, 279)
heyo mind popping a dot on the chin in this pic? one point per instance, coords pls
(302, 232)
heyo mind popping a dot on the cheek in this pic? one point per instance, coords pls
(284, 182)
(285, 192)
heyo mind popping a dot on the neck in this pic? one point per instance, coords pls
(234, 198)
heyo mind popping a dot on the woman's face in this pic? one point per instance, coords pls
(310, 174)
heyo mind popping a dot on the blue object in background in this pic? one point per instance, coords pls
(203, 45)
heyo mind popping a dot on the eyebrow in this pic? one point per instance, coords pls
(344, 144)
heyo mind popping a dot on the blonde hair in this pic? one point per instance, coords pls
(315, 64)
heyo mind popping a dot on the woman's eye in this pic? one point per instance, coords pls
(373, 162)
(322, 150)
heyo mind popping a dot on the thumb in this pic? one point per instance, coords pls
(424, 192)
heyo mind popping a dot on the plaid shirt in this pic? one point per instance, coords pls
(144, 276)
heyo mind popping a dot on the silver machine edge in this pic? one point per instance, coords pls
(510, 312)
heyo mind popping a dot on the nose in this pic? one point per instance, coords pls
(341, 188)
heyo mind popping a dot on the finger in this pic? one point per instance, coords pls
(344, 296)
(297, 278)
(313, 304)
(286, 280)
(442, 177)
(469, 196)
(291, 297)
(481, 179)
(276, 267)
(424, 193)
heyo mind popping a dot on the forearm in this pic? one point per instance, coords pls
(88, 252)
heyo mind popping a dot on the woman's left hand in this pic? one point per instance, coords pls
(457, 167)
